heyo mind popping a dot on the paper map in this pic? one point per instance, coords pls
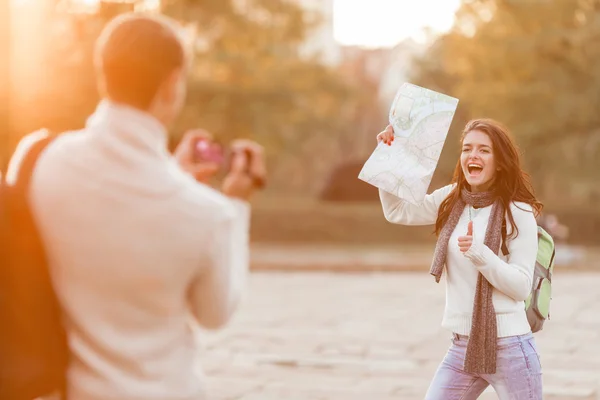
(421, 119)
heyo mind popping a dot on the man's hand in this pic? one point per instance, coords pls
(184, 154)
(248, 170)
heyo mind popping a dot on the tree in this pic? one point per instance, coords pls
(250, 80)
(247, 80)
(532, 65)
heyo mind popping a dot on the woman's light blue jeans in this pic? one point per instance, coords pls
(518, 372)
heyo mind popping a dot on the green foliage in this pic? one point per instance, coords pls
(248, 79)
(533, 66)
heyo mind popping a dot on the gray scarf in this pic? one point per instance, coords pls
(481, 347)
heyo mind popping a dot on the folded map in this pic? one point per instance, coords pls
(421, 120)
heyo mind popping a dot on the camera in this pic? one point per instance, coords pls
(212, 151)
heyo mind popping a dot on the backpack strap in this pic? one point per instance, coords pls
(31, 366)
(20, 168)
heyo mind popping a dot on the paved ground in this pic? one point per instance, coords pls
(318, 336)
(397, 258)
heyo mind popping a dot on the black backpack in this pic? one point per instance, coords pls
(33, 342)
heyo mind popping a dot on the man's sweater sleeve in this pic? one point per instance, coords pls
(515, 277)
(399, 211)
(218, 290)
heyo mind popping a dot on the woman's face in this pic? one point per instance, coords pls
(477, 160)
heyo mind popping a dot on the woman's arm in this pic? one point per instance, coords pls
(514, 278)
(399, 211)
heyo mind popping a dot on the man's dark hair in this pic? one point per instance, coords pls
(134, 55)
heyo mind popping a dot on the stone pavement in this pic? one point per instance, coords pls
(327, 336)
(410, 257)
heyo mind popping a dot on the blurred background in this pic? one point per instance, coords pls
(313, 80)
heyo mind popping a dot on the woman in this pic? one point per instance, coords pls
(492, 342)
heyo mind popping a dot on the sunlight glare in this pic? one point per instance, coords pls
(385, 23)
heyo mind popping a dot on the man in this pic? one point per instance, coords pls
(135, 243)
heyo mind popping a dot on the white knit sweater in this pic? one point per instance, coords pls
(135, 247)
(510, 276)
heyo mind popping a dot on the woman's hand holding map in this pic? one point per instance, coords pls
(387, 136)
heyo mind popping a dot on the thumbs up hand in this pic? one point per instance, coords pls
(465, 242)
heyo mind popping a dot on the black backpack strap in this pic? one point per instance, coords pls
(22, 163)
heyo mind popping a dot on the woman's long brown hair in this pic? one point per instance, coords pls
(511, 182)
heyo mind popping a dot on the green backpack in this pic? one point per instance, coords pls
(537, 305)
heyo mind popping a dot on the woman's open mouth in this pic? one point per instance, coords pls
(474, 169)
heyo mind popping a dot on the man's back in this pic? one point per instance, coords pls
(134, 244)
